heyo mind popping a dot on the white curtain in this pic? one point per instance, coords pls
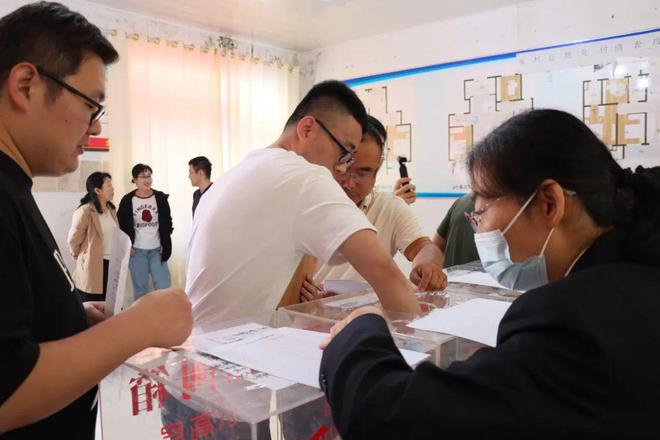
(256, 100)
(168, 104)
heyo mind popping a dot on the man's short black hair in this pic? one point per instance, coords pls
(52, 37)
(140, 168)
(330, 96)
(201, 163)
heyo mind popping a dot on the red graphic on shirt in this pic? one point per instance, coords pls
(146, 216)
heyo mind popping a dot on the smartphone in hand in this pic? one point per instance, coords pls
(403, 171)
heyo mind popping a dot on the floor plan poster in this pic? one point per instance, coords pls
(435, 115)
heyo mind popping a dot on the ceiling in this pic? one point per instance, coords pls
(303, 25)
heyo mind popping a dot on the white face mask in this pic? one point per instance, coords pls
(496, 259)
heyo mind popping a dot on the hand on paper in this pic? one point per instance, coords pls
(344, 322)
(404, 189)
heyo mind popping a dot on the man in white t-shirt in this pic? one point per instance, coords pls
(280, 203)
(398, 228)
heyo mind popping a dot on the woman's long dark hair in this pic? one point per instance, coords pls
(95, 181)
(551, 144)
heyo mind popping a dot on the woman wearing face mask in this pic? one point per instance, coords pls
(90, 236)
(577, 353)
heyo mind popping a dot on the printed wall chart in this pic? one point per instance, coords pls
(436, 114)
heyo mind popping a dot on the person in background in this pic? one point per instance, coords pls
(455, 237)
(55, 349)
(578, 352)
(91, 235)
(406, 190)
(199, 173)
(398, 228)
(144, 215)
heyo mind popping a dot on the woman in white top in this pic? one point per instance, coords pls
(90, 236)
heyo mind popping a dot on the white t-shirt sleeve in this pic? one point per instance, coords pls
(406, 228)
(325, 218)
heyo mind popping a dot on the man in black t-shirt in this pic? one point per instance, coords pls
(199, 173)
(54, 348)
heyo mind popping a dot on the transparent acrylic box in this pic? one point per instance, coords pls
(186, 394)
(448, 348)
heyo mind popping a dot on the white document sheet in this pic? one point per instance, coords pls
(354, 302)
(473, 277)
(120, 252)
(289, 353)
(476, 320)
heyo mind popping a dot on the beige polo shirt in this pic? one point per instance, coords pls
(397, 229)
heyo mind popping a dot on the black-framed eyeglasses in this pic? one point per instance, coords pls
(346, 157)
(100, 109)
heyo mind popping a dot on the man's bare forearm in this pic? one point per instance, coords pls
(367, 256)
(428, 251)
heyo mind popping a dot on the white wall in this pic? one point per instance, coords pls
(57, 209)
(525, 26)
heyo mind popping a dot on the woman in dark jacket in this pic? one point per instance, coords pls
(144, 215)
(578, 353)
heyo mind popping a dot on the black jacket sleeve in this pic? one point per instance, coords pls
(125, 216)
(544, 378)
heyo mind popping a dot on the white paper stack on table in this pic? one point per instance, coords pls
(476, 320)
(286, 352)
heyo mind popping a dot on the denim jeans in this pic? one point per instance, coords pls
(143, 263)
